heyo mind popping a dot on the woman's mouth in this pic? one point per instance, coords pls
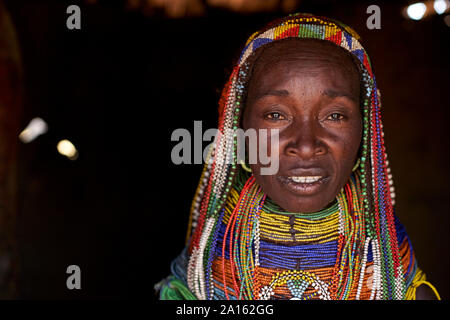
(304, 185)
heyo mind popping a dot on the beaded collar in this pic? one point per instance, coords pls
(271, 206)
(261, 254)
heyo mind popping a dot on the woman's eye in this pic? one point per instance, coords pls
(335, 117)
(275, 116)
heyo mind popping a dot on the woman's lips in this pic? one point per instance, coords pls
(302, 188)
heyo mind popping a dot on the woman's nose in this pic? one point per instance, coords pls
(304, 140)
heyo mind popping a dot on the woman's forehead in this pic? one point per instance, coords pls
(290, 59)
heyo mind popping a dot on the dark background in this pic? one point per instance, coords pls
(117, 89)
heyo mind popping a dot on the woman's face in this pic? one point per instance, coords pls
(309, 90)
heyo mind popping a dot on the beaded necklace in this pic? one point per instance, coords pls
(266, 223)
(271, 206)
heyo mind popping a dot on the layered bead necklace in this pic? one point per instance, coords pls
(259, 251)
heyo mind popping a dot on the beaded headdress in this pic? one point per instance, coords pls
(219, 175)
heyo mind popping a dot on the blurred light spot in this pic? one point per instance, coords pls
(66, 148)
(447, 20)
(416, 10)
(35, 128)
(440, 6)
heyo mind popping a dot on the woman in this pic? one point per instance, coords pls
(323, 226)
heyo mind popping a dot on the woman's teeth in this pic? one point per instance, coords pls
(302, 179)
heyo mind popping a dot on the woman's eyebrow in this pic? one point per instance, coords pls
(334, 94)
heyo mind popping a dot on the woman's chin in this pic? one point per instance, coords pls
(303, 197)
(303, 206)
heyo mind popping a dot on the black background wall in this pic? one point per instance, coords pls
(117, 89)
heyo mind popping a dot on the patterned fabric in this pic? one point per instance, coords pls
(237, 248)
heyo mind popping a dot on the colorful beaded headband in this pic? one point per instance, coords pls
(378, 193)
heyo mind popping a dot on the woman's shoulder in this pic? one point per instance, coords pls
(424, 292)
